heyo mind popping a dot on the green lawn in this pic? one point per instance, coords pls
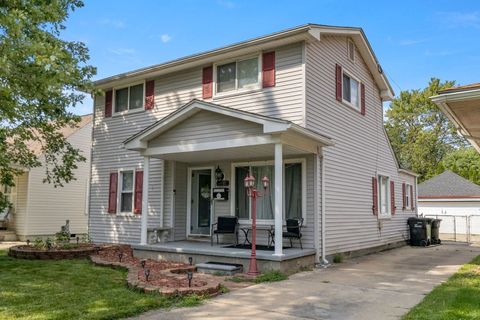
(71, 289)
(458, 298)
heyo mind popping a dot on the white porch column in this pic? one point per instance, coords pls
(278, 199)
(146, 169)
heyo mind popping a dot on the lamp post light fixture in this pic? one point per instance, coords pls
(189, 277)
(28, 242)
(190, 260)
(252, 192)
(120, 256)
(147, 274)
(142, 263)
(78, 239)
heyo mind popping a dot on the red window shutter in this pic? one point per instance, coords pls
(392, 197)
(138, 192)
(207, 82)
(149, 94)
(404, 203)
(108, 103)
(362, 99)
(268, 69)
(112, 193)
(375, 195)
(338, 81)
(412, 203)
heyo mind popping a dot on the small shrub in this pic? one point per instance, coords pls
(49, 243)
(39, 243)
(85, 239)
(223, 289)
(338, 258)
(271, 276)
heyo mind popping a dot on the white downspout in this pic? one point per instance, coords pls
(324, 245)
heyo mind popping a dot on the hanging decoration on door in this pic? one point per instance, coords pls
(205, 191)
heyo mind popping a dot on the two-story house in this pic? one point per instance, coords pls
(173, 143)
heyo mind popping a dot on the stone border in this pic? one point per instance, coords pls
(20, 252)
(211, 289)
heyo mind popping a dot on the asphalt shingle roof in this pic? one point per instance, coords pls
(448, 185)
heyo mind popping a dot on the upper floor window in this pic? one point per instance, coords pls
(129, 98)
(350, 91)
(237, 75)
(383, 195)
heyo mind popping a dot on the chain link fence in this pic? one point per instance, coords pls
(459, 228)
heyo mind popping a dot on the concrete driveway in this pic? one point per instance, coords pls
(380, 286)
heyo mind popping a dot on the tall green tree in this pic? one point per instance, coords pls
(41, 76)
(464, 162)
(421, 135)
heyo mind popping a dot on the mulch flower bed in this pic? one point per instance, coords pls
(54, 253)
(165, 277)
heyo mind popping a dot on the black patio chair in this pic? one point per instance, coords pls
(225, 225)
(294, 231)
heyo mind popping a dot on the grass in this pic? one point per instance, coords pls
(458, 298)
(73, 289)
(271, 276)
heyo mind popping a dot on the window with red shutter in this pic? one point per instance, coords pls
(112, 194)
(138, 192)
(375, 195)
(404, 202)
(392, 197)
(149, 94)
(268, 69)
(207, 82)
(412, 202)
(108, 103)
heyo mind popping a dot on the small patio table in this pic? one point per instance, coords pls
(269, 229)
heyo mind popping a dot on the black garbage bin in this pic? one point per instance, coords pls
(436, 231)
(420, 231)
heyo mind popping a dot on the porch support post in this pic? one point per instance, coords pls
(278, 199)
(144, 221)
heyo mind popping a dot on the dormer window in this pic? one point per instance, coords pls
(129, 98)
(351, 50)
(237, 75)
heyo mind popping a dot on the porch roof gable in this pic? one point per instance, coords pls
(270, 125)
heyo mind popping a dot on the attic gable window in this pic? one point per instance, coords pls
(350, 91)
(351, 50)
(237, 75)
(129, 98)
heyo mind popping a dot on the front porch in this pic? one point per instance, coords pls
(292, 259)
(200, 139)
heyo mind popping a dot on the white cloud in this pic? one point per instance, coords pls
(226, 3)
(165, 38)
(411, 42)
(460, 19)
(118, 24)
(123, 51)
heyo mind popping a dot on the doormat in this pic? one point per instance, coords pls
(258, 246)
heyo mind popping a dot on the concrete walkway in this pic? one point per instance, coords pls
(379, 286)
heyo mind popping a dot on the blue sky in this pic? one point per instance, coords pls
(414, 40)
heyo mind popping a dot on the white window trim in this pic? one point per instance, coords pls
(128, 111)
(265, 163)
(407, 196)
(189, 198)
(347, 103)
(381, 215)
(350, 41)
(119, 193)
(236, 91)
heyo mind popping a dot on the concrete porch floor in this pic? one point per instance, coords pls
(293, 259)
(378, 286)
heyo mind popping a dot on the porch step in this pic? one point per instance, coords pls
(225, 269)
(8, 235)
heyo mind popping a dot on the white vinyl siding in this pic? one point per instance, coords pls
(361, 150)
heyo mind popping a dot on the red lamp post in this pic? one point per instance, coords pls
(254, 194)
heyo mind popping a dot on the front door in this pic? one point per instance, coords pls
(201, 197)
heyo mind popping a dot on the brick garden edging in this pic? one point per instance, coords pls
(211, 288)
(29, 252)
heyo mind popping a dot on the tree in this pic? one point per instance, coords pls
(41, 76)
(464, 162)
(421, 135)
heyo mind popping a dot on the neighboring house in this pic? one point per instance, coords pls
(302, 107)
(450, 195)
(39, 209)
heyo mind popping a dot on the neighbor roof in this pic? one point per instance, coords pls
(448, 185)
(307, 32)
(466, 87)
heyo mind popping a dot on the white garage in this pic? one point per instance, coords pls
(453, 199)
